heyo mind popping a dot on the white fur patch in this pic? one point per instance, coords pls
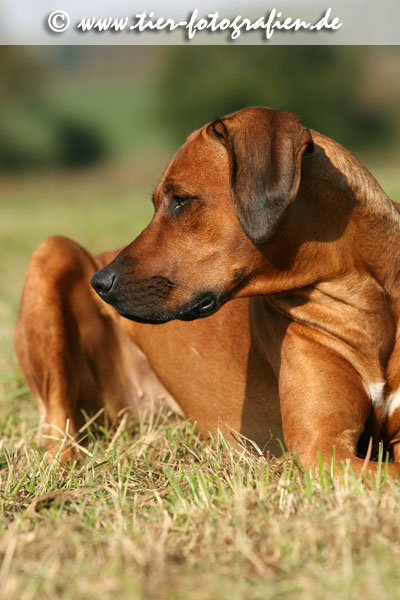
(375, 392)
(393, 402)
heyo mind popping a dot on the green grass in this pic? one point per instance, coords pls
(151, 511)
(104, 208)
(388, 177)
(120, 114)
(116, 118)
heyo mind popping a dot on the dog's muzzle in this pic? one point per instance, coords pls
(145, 300)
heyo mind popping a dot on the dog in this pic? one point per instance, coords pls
(263, 298)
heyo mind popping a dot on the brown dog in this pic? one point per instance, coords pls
(258, 209)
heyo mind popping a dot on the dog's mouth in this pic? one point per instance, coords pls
(202, 306)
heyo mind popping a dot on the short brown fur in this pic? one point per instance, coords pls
(292, 247)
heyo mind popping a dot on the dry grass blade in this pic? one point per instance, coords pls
(45, 499)
(118, 433)
(366, 459)
(91, 421)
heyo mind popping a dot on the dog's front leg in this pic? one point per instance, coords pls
(324, 404)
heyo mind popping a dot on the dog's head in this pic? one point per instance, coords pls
(220, 200)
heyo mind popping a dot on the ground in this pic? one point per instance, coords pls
(152, 511)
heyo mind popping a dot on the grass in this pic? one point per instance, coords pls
(49, 128)
(120, 114)
(152, 511)
(102, 208)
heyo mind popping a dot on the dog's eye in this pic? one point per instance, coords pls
(178, 202)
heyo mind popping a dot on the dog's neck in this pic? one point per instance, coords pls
(335, 264)
(340, 224)
(371, 237)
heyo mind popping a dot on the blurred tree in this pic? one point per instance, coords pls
(20, 72)
(32, 133)
(73, 106)
(320, 83)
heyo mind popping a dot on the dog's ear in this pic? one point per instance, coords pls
(265, 149)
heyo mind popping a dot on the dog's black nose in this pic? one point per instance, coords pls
(102, 282)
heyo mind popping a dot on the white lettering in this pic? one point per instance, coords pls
(324, 22)
(212, 22)
(86, 24)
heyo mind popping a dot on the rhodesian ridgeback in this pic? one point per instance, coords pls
(290, 249)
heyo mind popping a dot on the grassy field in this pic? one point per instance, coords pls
(152, 511)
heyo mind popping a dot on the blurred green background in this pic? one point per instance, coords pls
(86, 131)
(70, 107)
